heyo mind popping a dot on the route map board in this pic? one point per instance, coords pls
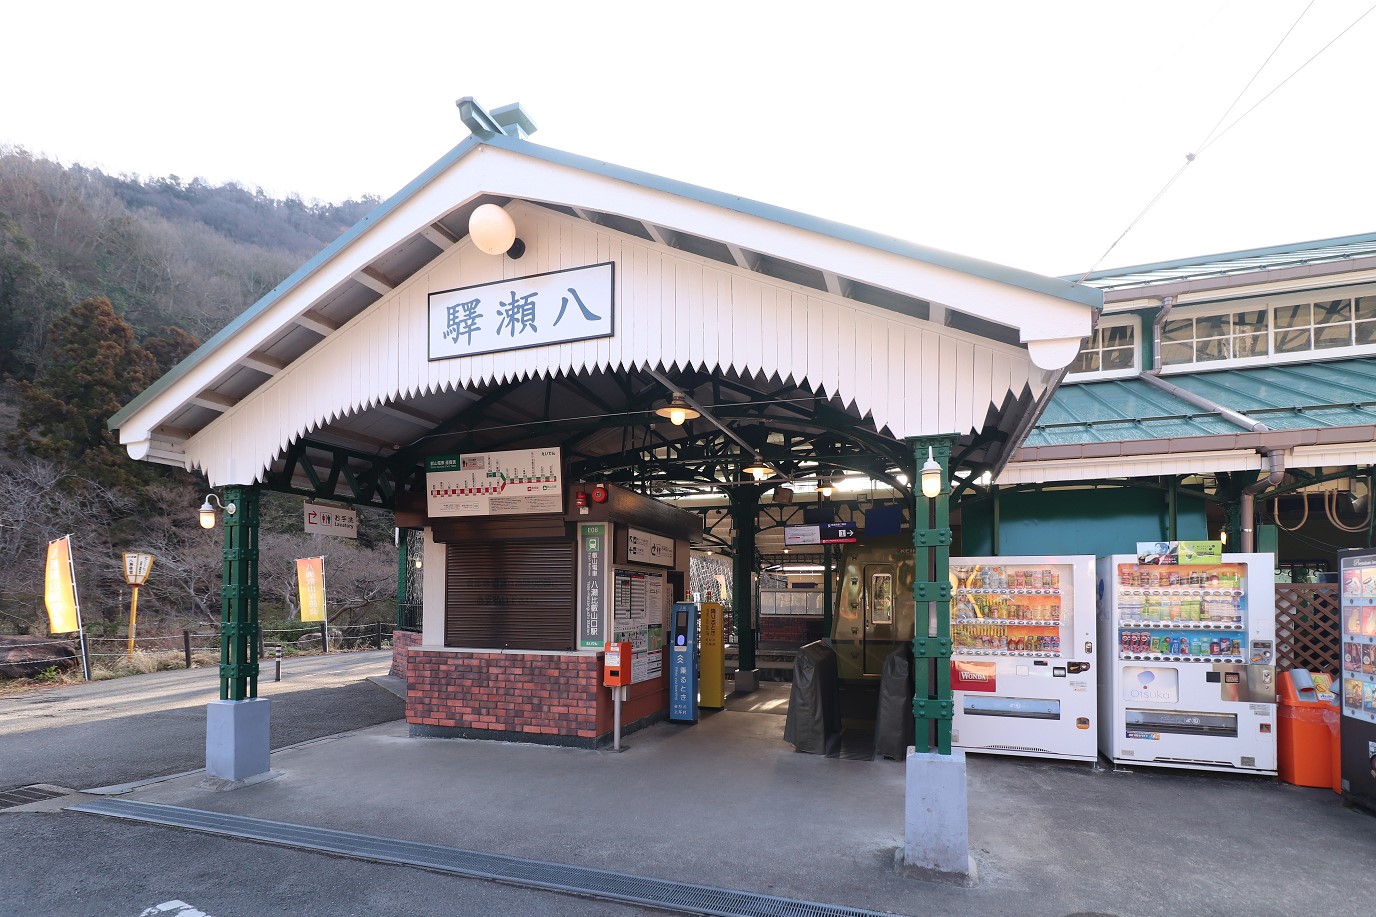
(494, 483)
(638, 619)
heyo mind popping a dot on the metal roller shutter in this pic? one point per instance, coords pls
(513, 595)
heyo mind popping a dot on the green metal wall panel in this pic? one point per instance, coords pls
(1091, 521)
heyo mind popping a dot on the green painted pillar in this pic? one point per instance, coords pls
(827, 577)
(744, 513)
(403, 541)
(933, 708)
(239, 595)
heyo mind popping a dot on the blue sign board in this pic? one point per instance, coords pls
(683, 663)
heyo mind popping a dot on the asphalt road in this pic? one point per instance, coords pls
(75, 865)
(142, 726)
(147, 726)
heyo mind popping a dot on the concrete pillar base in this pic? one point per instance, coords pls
(238, 739)
(746, 680)
(936, 834)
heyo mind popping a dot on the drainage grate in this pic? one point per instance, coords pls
(676, 896)
(27, 794)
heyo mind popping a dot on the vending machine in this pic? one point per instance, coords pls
(1187, 675)
(1022, 633)
(1357, 576)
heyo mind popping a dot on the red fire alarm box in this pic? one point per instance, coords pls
(616, 664)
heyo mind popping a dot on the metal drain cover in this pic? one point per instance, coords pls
(27, 794)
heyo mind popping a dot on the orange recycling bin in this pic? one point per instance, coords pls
(1307, 732)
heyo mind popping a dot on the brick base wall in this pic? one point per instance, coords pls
(402, 641)
(788, 631)
(505, 695)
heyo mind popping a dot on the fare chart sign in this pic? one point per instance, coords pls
(553, 308)
(494, 483)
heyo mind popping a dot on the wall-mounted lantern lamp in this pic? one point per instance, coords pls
(931, 477)
(494, 232)
(677, 410)
(208, 510)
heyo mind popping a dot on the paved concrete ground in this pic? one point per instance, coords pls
(728, 803)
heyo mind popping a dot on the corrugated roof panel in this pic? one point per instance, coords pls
(1340, 393)
(1240, 262)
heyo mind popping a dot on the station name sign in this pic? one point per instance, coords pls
(553, 308)
(826, 533)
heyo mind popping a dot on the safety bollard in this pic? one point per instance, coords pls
(186, 645)
(324, 639)
(278, 676)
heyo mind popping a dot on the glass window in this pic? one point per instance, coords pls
(1291, 316)
(1326, 336)
(1121, 358)
(1120, 336)
(1249, 345)
(1178, 329)
(1211, 326)
(1210, 349)
(1110, 348)
(1086, 362)
(1328, 313)
(1293, 341)
(1174, 353)
(1250, 322)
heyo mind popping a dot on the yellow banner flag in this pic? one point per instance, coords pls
(310, 581)
(59, 591)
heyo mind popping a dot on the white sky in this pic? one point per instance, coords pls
(1028, 134)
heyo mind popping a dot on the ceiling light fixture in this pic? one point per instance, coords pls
(759, 470)
(677, 410)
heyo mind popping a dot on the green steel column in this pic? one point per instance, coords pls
(744, 512)
(933, 708)
(239, 596)
(403, 539)
(1173, 509)
(1232, 523)
(826, 594)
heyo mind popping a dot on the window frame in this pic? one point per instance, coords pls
(1268, 305)
(1107, 323)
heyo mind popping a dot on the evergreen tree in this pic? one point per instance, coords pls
(92, 367)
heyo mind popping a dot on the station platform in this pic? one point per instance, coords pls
(727, 804)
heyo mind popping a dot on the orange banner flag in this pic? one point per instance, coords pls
(310, 581)
(59, 587)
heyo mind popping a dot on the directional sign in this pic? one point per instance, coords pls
(838, 533)
(827, 533)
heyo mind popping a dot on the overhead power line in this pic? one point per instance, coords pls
(1215, 135)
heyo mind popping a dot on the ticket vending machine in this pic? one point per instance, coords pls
(683, 663)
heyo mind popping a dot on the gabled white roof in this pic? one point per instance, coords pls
(920, 341)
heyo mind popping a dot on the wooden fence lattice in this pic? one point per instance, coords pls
(1307, 627)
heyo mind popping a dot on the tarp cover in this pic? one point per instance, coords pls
(814, 710)
(893, 719)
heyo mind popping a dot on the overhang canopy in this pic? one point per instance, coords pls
(1320, 413)
(739, 302)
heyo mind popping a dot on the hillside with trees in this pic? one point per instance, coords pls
(106, 282)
